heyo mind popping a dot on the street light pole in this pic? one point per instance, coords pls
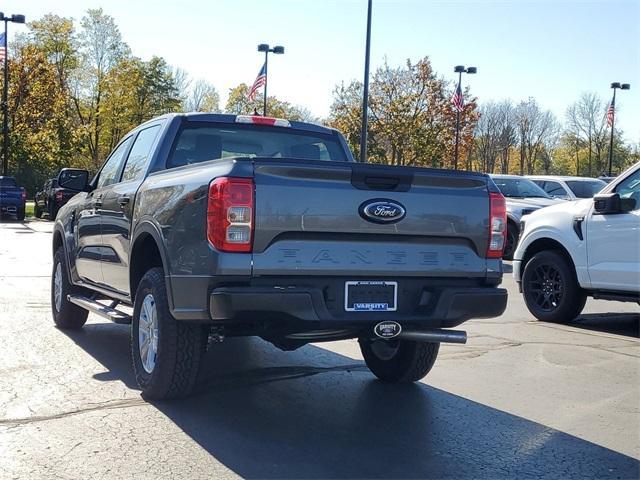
(455, 156)
(365, 93)
(5, 103)
(459, 69)
(278, 50)
(615, 86)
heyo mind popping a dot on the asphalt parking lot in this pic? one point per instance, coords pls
(522, 399)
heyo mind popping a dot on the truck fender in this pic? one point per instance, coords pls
(147, 226)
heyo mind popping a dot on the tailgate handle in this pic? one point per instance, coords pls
(382, 183)
(378, 177)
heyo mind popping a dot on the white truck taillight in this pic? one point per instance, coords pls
(230, 211)
(497, 225)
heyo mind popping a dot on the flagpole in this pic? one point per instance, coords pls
(365, 93)
(264, 107)
(455, 156)
(613, 119)
(5, 107)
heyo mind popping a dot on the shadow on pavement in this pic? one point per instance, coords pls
(627, 324)
(316, 414)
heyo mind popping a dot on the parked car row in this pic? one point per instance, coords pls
(525, 195)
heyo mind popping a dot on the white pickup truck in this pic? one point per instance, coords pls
(578, 249)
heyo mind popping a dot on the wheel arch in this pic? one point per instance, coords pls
(542, 244)
(147, 251)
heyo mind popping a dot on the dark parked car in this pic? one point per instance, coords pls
(213, 226)
(13, 198)
(51, 198)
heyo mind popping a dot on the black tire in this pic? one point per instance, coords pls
(20, 214)
(407, 362)
(53, 211)
(68, 316)
(37, 211)
(511, 242)
(550, 287)
(180, 345)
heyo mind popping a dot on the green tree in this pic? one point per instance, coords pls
(411, 119)
(101, 49)
(38, 113)
(238, 103)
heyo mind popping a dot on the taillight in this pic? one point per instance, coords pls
(230, 212)
(24, 194)
(59, 196)
(497, 225)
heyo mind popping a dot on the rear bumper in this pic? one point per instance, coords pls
(307, 307)
(12, 209)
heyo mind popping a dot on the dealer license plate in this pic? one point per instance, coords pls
(370, 296)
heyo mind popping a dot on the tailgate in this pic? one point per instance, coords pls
(311, 220)
(10, 195)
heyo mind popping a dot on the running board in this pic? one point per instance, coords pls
(100, 309)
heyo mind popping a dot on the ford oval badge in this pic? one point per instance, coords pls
(387, 329)
(381, 210)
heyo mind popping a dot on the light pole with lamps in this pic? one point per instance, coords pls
(278, 50)
(458, 103)
(5, 105)
(612, 109)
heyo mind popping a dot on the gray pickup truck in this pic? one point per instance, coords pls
(200, 227)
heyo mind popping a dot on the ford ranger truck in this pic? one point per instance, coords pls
(213, 226)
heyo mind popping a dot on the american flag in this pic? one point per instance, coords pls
(3, 47)
(261, 79)
(458, 100)
(610, 112)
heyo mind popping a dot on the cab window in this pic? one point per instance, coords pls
(137, 160)
(109, 173)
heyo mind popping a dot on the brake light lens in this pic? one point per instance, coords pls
(230, 214)
(24, 194)
(497, 225)
(59, 196)
(259, 120)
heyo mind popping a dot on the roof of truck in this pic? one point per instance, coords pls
(231, 118)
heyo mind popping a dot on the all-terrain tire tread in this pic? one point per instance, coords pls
(182, 347)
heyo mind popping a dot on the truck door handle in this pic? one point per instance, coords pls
(123, 200)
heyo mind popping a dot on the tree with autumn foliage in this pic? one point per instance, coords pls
(238, 103)
(411, 119)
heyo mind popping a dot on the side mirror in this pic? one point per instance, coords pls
(74, 179)
(604, 203)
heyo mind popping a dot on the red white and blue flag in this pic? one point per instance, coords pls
(610, 113)
(259, 82)
(458, 100)
(3, 47)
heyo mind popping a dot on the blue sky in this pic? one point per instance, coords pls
(550, 50)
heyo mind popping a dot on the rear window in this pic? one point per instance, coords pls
(519, 188)
(8, 182)
(585, 189)
(199, 143)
